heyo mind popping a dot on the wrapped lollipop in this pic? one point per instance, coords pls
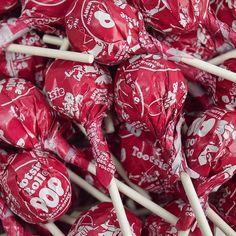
(114, 31)
(36, 186)
(101, 220)
(155, 104)
(173, 16)
(23, 65)
(8, 6)
(85, 96)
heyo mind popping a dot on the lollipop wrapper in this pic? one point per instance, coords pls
(102, 219)
(36, 187)
(8, 6)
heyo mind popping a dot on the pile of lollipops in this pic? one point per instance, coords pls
(118, 117)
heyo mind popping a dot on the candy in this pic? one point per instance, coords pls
(36, 186)
(8, 6)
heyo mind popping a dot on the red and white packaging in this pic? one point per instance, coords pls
(101, 220)
(155, 225)
(84, 93)
(36, 186)
(142, 158)
(24, 66)
(44, 15)
(24, 109)
(225, 11)
(7, 6)
(172, 17)
(149, 93)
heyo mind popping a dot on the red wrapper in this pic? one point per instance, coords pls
(25, 110)
(101, 220)
(11, 226)
(142, 158)
(22, 65)
(149, 93)
(84, 93)
(225, 11)
(172, 16)
(154, 225)
(36, 187)
(43, 15)
(7, 6)
(112, 31)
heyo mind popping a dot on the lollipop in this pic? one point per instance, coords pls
(85, 96)
(25, 110)
(114, 31)
(172, 16)
(155, 106)
(101, 220)
(36, 186)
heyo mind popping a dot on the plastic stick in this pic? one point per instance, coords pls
(51, 53)
(195, 204)
(109, 126)
(88, 187)
(189, 60)
(206, 66)
(68, 219)
(223, 57)
(53, 229)
(219, 222)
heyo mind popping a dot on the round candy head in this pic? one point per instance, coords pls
(84, 93)
(101, 219)
(172, 16)
(36, 187)
(149, 93)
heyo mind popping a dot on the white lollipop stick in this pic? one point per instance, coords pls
(195, 204)
(189, 60)
(68, 219)
(109, 126)
(112, 188)
(218, 221)
(184, 233)
(223, 57)
(53, 229)
(88, 187)
(51, 53)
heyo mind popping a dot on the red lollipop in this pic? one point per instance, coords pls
(25, 110)
(8, 6)
(84, 93)
(172, 16)
(36, 186)
(44, 15)
(149, 93)
(101, 220)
